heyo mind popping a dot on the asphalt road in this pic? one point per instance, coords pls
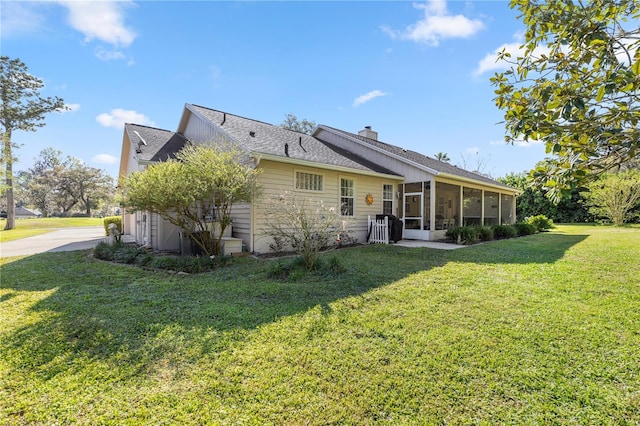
(64, 239)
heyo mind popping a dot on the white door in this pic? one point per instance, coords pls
(413, 216)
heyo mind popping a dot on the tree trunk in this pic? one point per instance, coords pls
(8, 158)
(88, 206)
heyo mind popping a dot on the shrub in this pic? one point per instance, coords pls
(464, 234)
(485, 233)
(126, 253)
(504, 231)
(453, 233)
(541, 222)
(104, 251)
(112, 219)
(525, 229)
(305, 225)
(469, 234)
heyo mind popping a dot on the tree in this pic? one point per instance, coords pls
(305, 225)
(291, 122)
(475, 163)
(615, 195)
(443, 156)
(22, 109)
(574, 87)
(196, 191)
(57, 184)
(533, 202)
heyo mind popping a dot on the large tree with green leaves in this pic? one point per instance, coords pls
(292, 122)
(614, 195)
(575, 86)
(196, 191)
(22, 109)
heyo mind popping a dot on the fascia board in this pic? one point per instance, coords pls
(480, 183)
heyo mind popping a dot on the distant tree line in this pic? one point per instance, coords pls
(62, 186)
(613, 196)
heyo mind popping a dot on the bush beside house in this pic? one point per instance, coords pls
(475, 234)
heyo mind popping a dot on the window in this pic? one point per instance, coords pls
(308, 181)
(387, 199)
(346, 197)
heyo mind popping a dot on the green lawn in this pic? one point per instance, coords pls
(30, 227)
(543, 329)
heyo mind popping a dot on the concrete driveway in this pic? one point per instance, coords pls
(64, 239)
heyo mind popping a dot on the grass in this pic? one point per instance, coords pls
(30, 227)
(543, 329)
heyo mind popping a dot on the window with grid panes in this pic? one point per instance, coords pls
(387, 199)
(309, 181)
(346, 197)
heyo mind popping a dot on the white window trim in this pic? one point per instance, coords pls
(388, 199)
(313, 191)
(340, 178)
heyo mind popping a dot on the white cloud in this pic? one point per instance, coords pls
(70, 108)
(490, 61)
(527, 144)
(117, 117)
(20, 18)
(437, 24)
(109, 55)
(104, 159)
(520, 143)
(101, 20)
(473, 150)
(367, 97)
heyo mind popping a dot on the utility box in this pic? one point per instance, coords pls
(231, 245)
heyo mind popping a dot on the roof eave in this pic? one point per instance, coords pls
(479, 182)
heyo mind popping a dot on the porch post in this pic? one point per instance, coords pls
(432, 208)
(461, 206)
(482, 208)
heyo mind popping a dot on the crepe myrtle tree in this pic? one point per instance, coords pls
(195, 191)
(574, 86)
(305, 225)
(23, 109)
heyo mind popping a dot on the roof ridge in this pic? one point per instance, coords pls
(235, 115)
(149, 127)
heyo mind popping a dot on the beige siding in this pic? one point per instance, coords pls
(241, 216)
(278, 178)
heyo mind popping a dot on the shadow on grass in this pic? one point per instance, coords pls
(86, 308)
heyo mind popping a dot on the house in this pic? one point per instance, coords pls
(25, 213)
(356, 171)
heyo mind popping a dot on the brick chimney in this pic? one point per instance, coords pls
(368, 133)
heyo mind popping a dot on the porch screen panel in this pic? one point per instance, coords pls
(447, 205)
(471, 206)
(506, 213)
(491, 213)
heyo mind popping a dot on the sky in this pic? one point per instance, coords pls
(416, 72)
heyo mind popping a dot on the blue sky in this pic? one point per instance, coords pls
(417, 72)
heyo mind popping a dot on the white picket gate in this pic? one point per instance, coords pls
(378, 231)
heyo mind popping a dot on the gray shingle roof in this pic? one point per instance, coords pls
(416, 157)
(264, 138)
(154, 144)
